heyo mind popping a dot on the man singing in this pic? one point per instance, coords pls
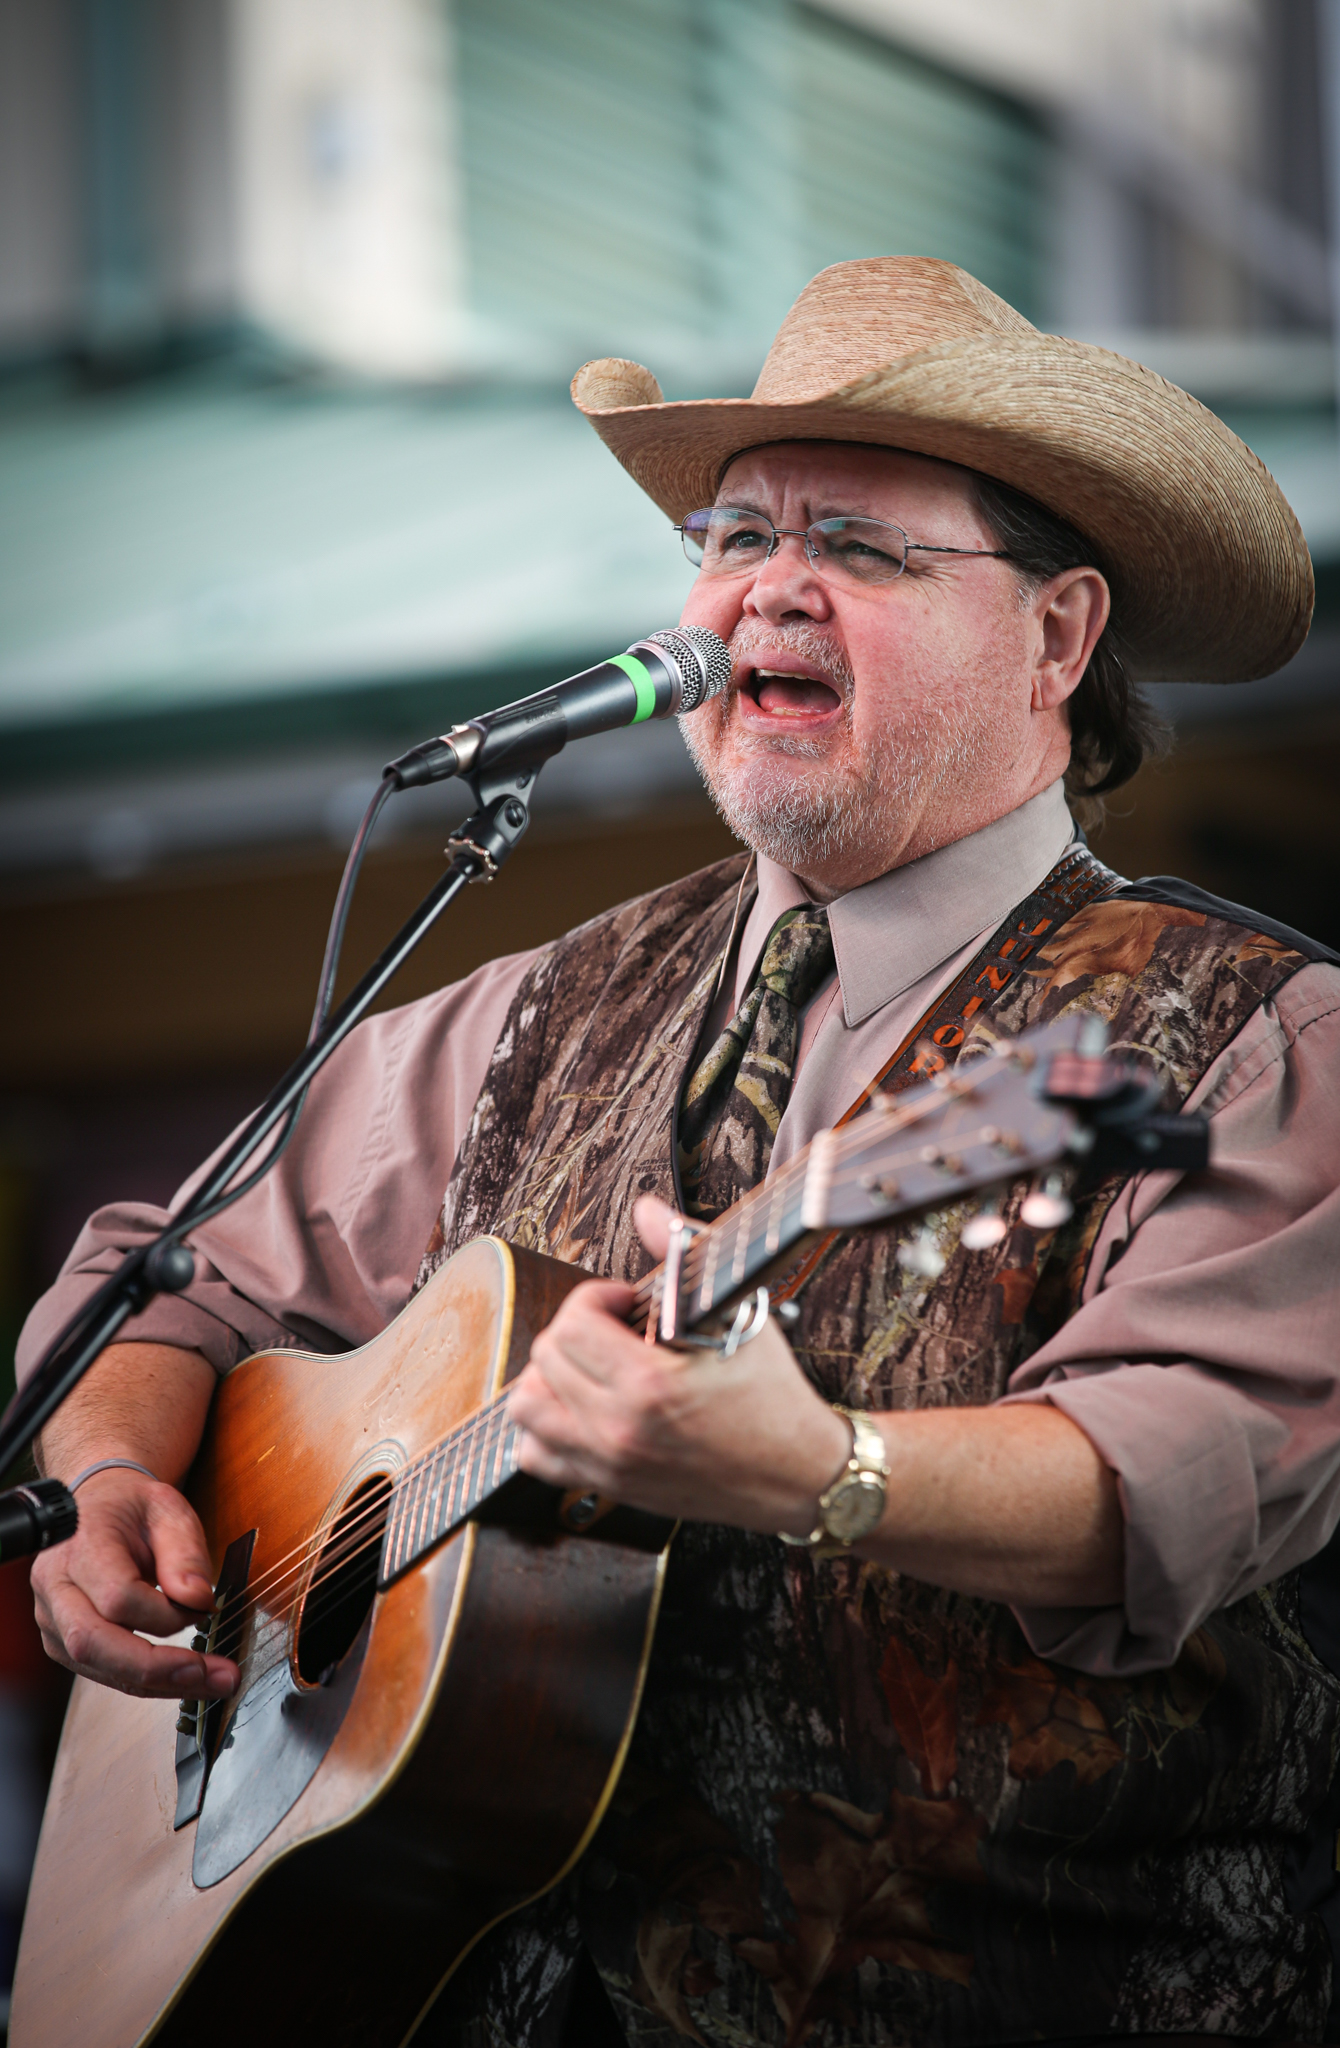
(1037, 1741)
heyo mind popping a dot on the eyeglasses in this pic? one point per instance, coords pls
(728, 542)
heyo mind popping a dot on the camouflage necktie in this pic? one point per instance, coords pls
(735, 1097)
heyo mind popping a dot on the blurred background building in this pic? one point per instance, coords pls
(290, 293)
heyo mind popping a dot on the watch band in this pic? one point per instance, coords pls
(854, 1504)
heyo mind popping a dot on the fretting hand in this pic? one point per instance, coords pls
(1004, 1502)
(745, 1440)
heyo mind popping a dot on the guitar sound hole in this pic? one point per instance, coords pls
(343, 1582)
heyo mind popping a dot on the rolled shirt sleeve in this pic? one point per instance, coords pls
(323, 1252)
(1204, 1360)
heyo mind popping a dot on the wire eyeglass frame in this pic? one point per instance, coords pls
(815, 537)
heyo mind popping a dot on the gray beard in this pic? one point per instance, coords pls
(794, 823)
(802, 824)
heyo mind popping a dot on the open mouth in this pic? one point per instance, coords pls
(781, 694)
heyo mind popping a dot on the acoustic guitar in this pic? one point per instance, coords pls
(441, 1659)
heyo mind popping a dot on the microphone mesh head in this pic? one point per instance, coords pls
(702, 658)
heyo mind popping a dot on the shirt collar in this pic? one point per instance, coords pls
(890, 932)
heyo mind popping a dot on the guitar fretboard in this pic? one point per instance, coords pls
(723, 1259)
(443, 1488)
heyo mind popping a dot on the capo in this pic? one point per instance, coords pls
(663, 1328)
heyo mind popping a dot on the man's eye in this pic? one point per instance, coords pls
(854, 551)
(742, 540)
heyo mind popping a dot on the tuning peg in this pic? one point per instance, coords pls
(1048, 1206)
(984, 1230)
(922, 1255)
(1091, 1038)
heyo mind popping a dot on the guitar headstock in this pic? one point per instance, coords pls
(1049, 1095)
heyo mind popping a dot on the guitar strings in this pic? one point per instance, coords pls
(335, 1553)
(318, 1598)
(465, 1435)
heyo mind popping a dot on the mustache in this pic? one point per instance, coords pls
(809, 643)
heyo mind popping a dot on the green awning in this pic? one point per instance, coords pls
(204, 565)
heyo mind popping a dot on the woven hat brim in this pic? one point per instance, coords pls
(1210, 573)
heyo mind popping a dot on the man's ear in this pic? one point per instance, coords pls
(1071, 611)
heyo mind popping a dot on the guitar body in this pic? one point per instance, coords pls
(451, 1766)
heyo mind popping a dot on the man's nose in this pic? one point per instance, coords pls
(788, 585)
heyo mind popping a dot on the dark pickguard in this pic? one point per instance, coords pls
(274, 1741)
(198, 1727)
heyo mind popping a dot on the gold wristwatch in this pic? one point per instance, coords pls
(854, 1504)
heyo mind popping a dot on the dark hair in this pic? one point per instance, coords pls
(1113, 727)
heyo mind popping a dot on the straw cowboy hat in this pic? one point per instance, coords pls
(1210, 574)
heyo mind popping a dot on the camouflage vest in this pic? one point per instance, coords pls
(858, 1809)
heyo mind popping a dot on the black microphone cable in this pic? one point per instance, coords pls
(339, 917)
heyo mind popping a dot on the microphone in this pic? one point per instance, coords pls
(662, 676)
(35, 1516)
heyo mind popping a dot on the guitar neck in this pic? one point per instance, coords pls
(446, 1486)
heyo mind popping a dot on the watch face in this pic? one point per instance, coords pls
(854, 1507)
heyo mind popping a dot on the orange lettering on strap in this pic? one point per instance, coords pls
(995, 977)
(973, 1004)
(949, 1035)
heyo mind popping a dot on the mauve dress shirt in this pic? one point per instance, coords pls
(1201, 1363)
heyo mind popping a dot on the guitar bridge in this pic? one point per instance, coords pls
(199, 1721)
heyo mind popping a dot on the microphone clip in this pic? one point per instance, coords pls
(484, 840)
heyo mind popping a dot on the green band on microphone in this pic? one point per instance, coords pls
(643, 686)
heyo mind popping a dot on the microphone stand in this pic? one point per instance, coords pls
(480, 846)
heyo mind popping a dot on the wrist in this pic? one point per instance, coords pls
(101, 1465)
(827, 1448)
(144, 1401)
(851, 1506)
(67, 1462)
